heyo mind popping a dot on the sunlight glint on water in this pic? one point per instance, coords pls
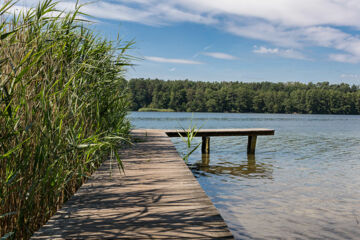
(304, 182)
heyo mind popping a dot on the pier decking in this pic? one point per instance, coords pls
(157, 198)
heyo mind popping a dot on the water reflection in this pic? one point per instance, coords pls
(246, 169)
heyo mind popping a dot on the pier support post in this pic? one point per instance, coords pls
(251, 163)
(251, 144)
(205, 160)
(205, 148)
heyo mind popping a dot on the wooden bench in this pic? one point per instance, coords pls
(252, 134)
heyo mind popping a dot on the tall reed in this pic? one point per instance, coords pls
(63, 106)
(188, 139)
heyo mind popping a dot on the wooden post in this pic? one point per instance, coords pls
(251, 163)
(251, 144)
(205, 160)
(205, 148)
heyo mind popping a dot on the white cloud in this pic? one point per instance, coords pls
(172, 69)
(278, 12)
(299, 38)
(171, 60)
(219, 55)
(350, 76)
(264, 50)
(266, 32)
(286, 53)
(144, 12)
(284, 12)
(26, 5)
(345, 58)
(283, 23)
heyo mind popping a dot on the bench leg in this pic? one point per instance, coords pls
(251, 144)
(205, 148)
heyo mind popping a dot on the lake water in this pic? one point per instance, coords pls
(304, 182)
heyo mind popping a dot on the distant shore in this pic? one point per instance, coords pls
(155, 110)
(258, 97)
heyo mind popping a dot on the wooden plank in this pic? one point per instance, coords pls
(223, 132)
(158, 198)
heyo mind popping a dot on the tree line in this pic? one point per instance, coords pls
(241, 97)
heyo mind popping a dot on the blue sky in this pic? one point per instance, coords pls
(235, 40)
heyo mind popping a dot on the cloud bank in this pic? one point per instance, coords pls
(290, 24)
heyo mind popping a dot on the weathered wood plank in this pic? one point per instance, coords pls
(223, 132)
(158, 198)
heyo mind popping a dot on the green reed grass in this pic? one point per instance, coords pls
(63, 106)
(188, 140)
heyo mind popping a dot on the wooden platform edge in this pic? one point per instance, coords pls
(222, 132)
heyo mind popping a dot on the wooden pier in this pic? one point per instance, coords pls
(157, 198)
(252, 134)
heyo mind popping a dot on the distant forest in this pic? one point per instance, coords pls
(240, 97)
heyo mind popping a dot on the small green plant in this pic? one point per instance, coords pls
(190, 135)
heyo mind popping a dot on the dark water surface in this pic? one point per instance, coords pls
(304, 182)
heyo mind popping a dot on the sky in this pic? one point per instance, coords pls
(234, 40)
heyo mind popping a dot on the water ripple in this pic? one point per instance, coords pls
(304, 182)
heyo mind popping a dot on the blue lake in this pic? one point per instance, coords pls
(303, 183)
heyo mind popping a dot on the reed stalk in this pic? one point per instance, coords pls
(63, 106)
(188, 140)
